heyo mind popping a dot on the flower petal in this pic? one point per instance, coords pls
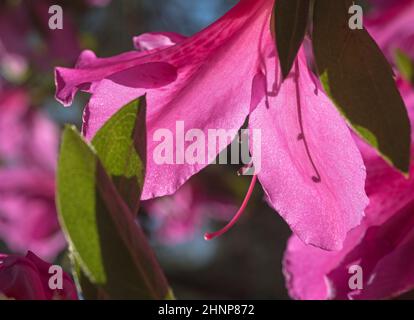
(157, 40)
(311, 169)
(384, 252)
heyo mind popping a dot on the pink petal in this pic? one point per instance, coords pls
(19, 279)
(27, 278)
(320, 212)
(393, 274)
(148, 75)
(382, 250)
(161, 40)
(68, 291)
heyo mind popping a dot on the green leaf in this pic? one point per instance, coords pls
(120, 146)
(359, 80)
(110, 251)
(405, 65)
(76, 200)
(291, 19)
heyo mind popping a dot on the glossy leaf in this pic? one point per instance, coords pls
(120, 146)
(291, 19)
(359, 80)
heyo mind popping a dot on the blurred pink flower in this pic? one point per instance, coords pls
(28, 149)
(98, 3)
(392, 26)
(181, 215)
(25, 38)
(28, 219)
(26, 136)
(383, 245)
(27, 278)
(312, 172)
(62, 45)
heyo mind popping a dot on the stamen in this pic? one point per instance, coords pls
(301, 136)
(211, 236)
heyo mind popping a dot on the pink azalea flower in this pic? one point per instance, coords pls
(27, 278)
(312, 172)
(180, 215)
(382, 245)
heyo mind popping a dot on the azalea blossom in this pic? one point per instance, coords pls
(312, 172)
(27, 278)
